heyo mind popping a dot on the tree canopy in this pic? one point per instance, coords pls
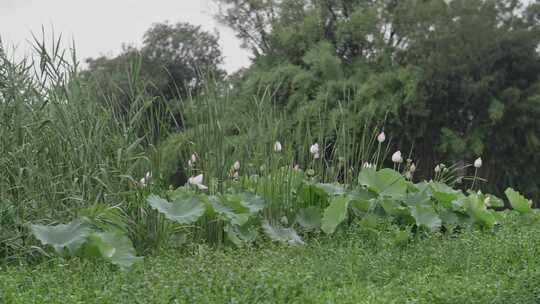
(453, 79)
(175, 58)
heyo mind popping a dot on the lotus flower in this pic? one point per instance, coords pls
(412, 168)
(146, 179)
(277, 146)
(478, 163)
(314, 149)
(437, 168)
(197, 181)
(381, 138)
(396, 157)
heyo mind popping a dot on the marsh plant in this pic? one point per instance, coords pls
(81, 179)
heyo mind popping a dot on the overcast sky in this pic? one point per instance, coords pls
(99, 27)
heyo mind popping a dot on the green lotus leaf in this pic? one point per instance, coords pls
(417, 198)
(214, 206)
(252, 202)
(518, 201)
(311, 194)
(331, 189)
(186, 210)
(282, 235)
(426, 216)
(450, 218)
(241, 234)
(386, 182)
(112, 246)
(309, 218)
(335, 213)
(477, 210)
(444, 194)
(71, 235)
(394, 207)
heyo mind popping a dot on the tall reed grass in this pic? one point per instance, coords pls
(67, 149)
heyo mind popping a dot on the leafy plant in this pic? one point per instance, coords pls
(81, 240)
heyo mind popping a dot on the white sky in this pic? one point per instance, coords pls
(99, 27)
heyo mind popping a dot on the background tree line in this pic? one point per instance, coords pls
(451, 79)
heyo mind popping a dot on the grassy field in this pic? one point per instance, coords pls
(351, 267)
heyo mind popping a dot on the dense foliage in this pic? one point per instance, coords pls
(107, 164)
(453, 80)
(357, 266)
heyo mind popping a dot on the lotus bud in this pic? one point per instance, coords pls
(314, 149)
(437, 168)
(478, 163)
(236, 165)
(381, 138)
(412, 168)
(408, 175)
(396, 157)
(277, 146)
(487, 201)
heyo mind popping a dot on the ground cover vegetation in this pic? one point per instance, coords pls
(356, 266)
(375, 130)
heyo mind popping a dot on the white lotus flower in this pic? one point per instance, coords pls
(197, 181)
(146, 179)
(277, 146)
(437, 168)
(396, 157)
(478, 163)
(382, 137)
(314, 149)
(236, 165)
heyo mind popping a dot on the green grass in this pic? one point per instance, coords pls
(352, 267)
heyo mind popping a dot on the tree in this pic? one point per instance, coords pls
(454, 79)
(177, 59)
(186, 53)
(173, 63)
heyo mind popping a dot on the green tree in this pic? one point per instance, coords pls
(453, 79)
